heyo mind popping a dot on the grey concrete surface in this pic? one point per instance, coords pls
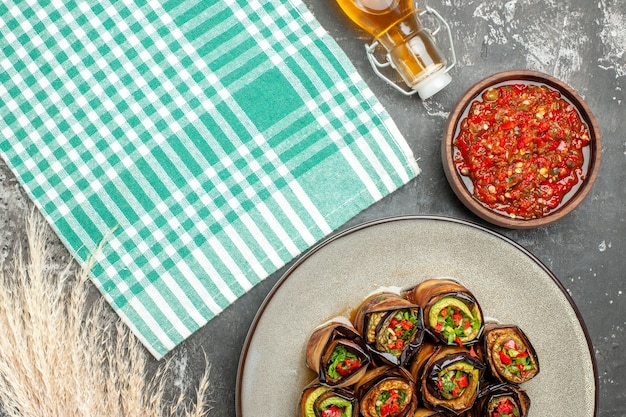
(578, 41)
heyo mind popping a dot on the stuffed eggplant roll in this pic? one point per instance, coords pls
(386, 391)
(450, 380)
(337, 352)
(502, 400)
(319, 400)
(509, 354)
(393, 327)
(451, 312)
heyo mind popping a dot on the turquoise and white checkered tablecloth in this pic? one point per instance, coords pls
(207, 142)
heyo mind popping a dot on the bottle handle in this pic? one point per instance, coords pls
(377, 65)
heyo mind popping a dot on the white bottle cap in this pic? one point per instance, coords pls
(432, 84)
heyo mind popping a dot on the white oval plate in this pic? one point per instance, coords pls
(332, 278)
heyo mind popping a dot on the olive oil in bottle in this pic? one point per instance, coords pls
(411, 49)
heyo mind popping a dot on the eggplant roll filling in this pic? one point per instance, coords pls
(503, 407)
(389, 392)
(393, 397)
(451, 311)
(322, 401)
(510, 355)
(345, 360)
(502, 400)
(451, 380)
(455, 321)
(392, 327)
(397, 331)
(337, 353)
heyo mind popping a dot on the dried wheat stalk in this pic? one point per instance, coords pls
(63, 355)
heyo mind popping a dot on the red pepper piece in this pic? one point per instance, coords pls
(462, 381)
(504, 358)
(440, 384)
(348, 366)
(332, 411)
(505, 407)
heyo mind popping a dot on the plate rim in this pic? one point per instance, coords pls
(390, 219)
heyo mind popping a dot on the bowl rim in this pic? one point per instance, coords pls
(454, 177)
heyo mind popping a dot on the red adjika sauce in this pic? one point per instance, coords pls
(521, 146)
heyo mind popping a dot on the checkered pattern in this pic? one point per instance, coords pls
(206, 143)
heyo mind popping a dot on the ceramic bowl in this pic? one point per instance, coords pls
(462, 185)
